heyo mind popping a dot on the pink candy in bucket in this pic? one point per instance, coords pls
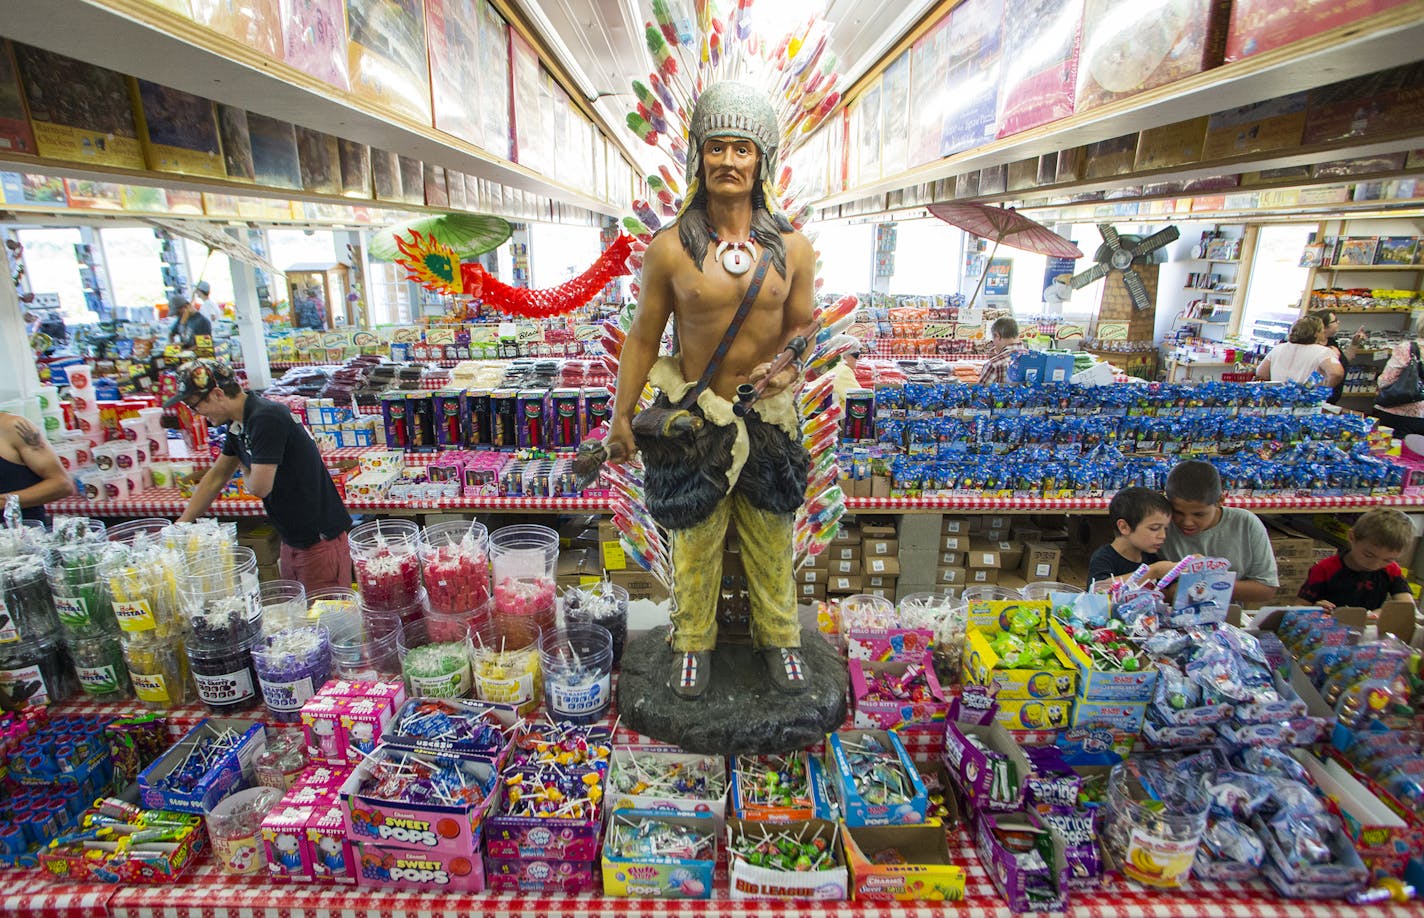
(524, 558)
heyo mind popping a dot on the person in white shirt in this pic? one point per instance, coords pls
(1302, 356)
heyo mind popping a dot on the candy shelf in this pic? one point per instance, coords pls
(166, 502)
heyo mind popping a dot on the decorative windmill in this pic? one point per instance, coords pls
(1128, 309)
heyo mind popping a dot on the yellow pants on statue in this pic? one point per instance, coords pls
(765, 540)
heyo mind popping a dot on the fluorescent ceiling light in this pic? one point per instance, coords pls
(561, 51)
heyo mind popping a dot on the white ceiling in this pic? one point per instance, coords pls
(603, 46)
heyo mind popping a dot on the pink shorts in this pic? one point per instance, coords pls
(325, 564)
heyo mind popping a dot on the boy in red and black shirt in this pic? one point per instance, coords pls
(1367, 573)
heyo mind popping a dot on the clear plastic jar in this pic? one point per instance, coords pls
(602, 603)
(99, 666)
(224, 676)
(235, 828)
(283, 604)
(158, 668)
(1043, 588)
(387, 565)
(220, 598)
(1153, 836)
(363, 646)
(578, 672)
(524, 559)
(35, 673)
(506, 664)
(435, 660)
(455, 567)
(291, 665)
(27, 609)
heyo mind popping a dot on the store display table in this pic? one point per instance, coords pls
(206, 892)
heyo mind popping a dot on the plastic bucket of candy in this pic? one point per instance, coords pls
(291, 665)
(35, 672)
(1153, 821)
(235, 828)
(578, 672)
(283, 604)
(331, 599)
(408, 614)
(158, 669)
(947, 618)
(987, 593)
(1044, 588)
(384, 556)
(143, 590)
(149, 530)
(28, 609)
(506, 664)
(443, 622)
(454, 564)
(435, 661)
(363, 646)
(99, 665)
(524, 559)
(866, 611)
(84, 609)
(600, 603)
(220, 598)
(224, 676)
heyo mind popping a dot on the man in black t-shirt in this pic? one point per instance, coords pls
(280, 464)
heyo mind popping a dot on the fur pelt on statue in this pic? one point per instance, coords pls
(686, 477)
(774, 477)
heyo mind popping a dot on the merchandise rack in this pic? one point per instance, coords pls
(168, 502)
(206, 892)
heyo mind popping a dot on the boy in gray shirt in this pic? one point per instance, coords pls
(1202, 526)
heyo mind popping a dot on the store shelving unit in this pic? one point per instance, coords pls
(1362, 370)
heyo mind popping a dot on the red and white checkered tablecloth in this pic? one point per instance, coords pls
(208, 893)
(35, 893)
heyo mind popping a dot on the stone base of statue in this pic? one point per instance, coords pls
(741, 713)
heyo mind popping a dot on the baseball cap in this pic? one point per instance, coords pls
(199, 377)
(203, 288)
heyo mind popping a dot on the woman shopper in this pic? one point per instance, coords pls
(1406, 418)
(1302, 356)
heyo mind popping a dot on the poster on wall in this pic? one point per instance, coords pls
(15, 133)
(494, 84)
(996, 282)
(974, 51)
(895, 96)
(236, 143)
(256, 24)
(870, 134)
(1038, 82)
(314, 39)
(386, 175)
(387, 57)
(179, 131)
(524, 65)
(929, 82)
(1056, 292)
(355, 161)
(456, 78)
(274, 152)
(320, 161)
(78, 111)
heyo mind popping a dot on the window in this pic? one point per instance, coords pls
(53, 269)
(558, 252)
(215, 268)
(135, 268)
(927, 258)
(1277, 279)
(847, 255)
